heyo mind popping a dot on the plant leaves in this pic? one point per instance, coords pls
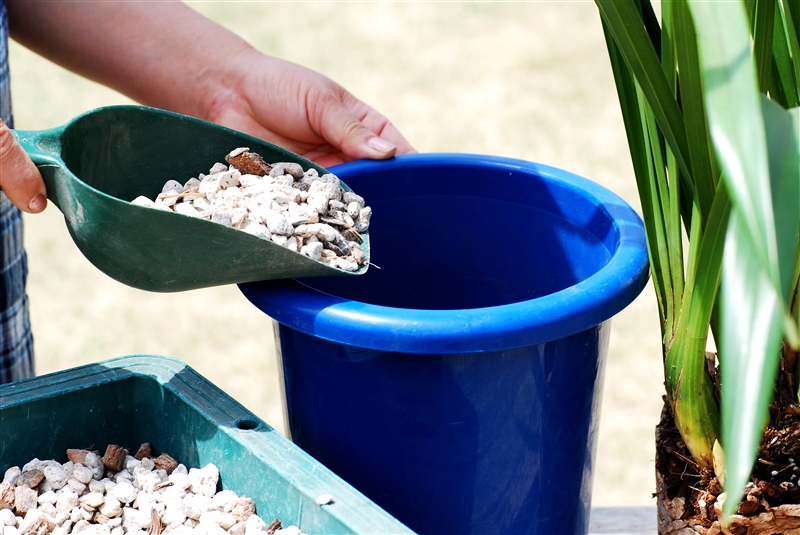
(752, 336)
(624, 22)
(735, 120)
(758, 152)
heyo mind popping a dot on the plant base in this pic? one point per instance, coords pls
(690, 498)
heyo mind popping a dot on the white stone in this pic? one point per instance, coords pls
(124, 492)
(76, 514)
(218, 167)
(147, 464)
(194, 505)
(141, 200)
(229, 179)
(344, 264)
(93, 499)
(223, 499)
(7, 517)
(325, 499)
(66, 502)
(48, 497)
(134, 520)
(94, 462)
(223, 520)
(278, 224)
(11, 475)
(172, 186)
(255, 526)
(30, 524)
(363, 219)
(174, 515)
(318, 201)
(82, 473)
(187, 209)
(209, 185)
(191, 185)
(48, 509)
(256, 229)
(312, 250)
(147, 480)
(80, 526)
(291, 243)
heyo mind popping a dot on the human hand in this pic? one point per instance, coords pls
(304, 112)
(20, 180)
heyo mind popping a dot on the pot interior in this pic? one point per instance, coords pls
(471, 235)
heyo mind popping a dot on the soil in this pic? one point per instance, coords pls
(689, 496)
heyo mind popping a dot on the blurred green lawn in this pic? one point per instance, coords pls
(523, 80)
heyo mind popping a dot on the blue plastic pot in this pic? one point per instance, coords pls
(458, 386)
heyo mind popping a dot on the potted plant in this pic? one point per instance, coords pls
(710, 103)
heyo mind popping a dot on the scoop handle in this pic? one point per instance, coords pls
(44, 149)
(43, 146)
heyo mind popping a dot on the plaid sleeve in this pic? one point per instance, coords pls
(16, 341)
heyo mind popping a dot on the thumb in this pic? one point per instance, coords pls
(342, 129)
(20, 180)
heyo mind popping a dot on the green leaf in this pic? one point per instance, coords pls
(693, 107)
(752, 327)
(624, 21)
(783, 83)
(735, 120)
(783, 141)
(652, 210)
(756, 142)
(763, 29)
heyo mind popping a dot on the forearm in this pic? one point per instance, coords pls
(161, 54)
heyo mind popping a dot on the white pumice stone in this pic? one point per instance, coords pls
(93, 499)
(67, 502)
(187, 209)
(255, 525)
(172, 186)
(31, 522)
(217, 168)
(271, 206)
(312, 250)
(364, 216)
(209, 184)
(204, 480)
(111, 507)
(191, 185)
(135, 520)
(141, 200)
(7, 517)
(12, 475)
(82, 473)
(174, 515)
(94, 462)
(124, 492)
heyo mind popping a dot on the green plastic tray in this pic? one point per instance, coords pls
(143, 398)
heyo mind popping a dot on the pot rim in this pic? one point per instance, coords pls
(576, 308)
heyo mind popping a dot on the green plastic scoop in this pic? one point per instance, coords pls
(97, 163)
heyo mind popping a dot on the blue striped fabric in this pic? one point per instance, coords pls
(16, 342)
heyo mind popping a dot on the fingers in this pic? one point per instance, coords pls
(20, 180)
(342, 128)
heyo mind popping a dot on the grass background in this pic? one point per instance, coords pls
(526, 80)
